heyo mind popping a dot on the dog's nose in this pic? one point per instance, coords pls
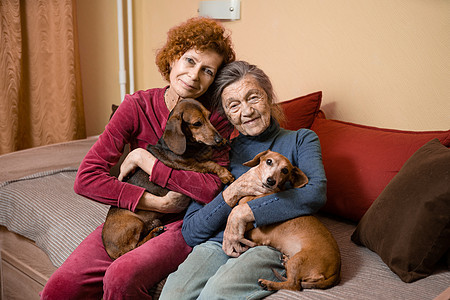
(218, 139)
(271, 181)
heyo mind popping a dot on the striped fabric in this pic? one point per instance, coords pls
(44, 208)
(366, 276)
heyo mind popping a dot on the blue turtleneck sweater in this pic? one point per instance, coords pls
(207, 222)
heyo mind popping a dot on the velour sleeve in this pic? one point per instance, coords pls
(294, 202)
(93, 179)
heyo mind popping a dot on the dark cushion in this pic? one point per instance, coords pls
(408, 225)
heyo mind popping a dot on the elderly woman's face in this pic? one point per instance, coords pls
(193, 73)
(246, 105)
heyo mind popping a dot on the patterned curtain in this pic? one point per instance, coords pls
(40, 86)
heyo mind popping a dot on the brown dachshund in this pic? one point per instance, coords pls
(311, 254)
(186, 144)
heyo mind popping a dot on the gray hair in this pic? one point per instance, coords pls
(236, 71)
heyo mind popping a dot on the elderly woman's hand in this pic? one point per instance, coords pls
(137, 158)
(249, 184)
(234, 242)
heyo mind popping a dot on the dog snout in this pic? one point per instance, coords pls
(218, 139)
(270, 181)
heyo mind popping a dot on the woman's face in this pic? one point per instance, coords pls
(247, 107)
(193, 73)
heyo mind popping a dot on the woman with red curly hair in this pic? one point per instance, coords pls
(194, 52)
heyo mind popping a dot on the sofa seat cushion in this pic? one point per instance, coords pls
(408, 225)
(360, 161)
(44, 208)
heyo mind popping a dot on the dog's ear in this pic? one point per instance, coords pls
(255, 160)
(173, 135)
(298, 178)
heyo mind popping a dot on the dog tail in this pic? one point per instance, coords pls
(320, 283)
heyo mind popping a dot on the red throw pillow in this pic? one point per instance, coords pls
(361, 160)
(301, 112)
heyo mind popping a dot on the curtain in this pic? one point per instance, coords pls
(40, 83)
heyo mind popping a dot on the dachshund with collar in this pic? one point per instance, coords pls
(310, 253)
(187, 144)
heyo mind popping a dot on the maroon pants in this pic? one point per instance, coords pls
(89, 273)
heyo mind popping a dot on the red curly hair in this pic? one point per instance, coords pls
(200, 33)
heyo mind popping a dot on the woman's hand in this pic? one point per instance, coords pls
(249, 184)
(137, 158)
(234, 242)
(173, 202)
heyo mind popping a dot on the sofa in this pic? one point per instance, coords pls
(388, 208)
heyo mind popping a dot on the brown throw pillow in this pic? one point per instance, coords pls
(408, 225)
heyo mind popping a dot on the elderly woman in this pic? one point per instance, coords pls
(223, 263)
(189, 61)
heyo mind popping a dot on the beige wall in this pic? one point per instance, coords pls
(99, 62)
(384, 63)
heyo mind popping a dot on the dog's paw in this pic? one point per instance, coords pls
(158, 230)
(262, 284)
(226, 176)
(156, 223)
(284, 259)
(267, 285)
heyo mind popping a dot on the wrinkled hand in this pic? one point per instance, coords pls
(249, 184)
(234, 242)
(137, 158)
